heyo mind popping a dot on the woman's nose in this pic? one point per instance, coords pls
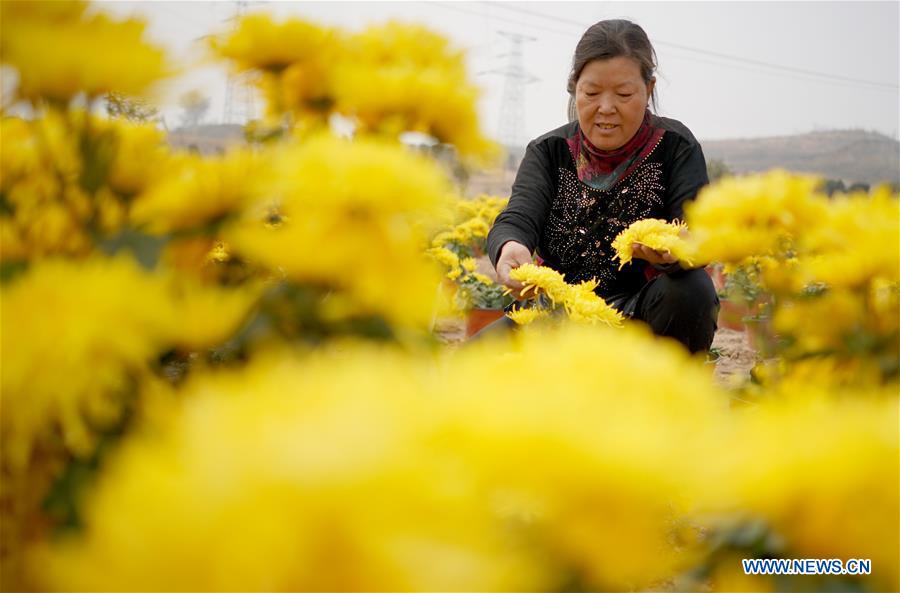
(605, 105)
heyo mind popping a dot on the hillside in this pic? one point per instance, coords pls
(850, 155)
(207, 138)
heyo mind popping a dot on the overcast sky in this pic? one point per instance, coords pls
(726, 69)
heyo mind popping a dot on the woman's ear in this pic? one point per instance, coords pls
(650, 86)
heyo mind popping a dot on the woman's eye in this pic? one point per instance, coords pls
(625, 95)
(591, 94)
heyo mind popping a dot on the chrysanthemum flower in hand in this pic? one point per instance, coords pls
(657, 234)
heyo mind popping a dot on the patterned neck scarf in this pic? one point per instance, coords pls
(602, 169)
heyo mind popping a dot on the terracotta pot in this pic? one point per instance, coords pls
(479, 318)
(717, 275)
(731, 315)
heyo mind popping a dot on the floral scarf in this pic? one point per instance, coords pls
(602, 169)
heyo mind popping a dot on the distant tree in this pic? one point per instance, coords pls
(716, 169)
(194, 105)
(833, 186)
(130, 108)
(858, 186)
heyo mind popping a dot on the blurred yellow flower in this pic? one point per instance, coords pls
(753, 215)
(44, 11)
(592, 459)
(94, 55)
(74, 336)
(855, 242)
(820, 468)
(483, 279)
(329, 461)
(445, 257)
(348, 211)
(193, 191)
(260, 43)
(422, 87)
(802, 320)
(23, 160)
(12, 244)
(209, 315)
(140, 154)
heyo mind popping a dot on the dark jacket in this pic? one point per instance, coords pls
(571, 225)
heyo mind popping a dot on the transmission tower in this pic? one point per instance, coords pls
(512, 103)
(240, 96)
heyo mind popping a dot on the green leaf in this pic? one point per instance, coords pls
(145, 248)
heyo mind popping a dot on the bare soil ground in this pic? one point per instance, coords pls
(735, 356)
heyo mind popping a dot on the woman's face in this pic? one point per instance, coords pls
(611, 98)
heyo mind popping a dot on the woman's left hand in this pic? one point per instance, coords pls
(653, 256)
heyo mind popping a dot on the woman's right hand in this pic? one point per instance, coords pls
(512, 255)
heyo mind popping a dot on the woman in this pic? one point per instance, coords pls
(582, 184)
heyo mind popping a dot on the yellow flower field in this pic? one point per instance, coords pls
(220, 372)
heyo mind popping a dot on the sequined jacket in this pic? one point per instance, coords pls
(571, 225)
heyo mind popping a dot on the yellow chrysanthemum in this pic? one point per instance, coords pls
(487, 281)
(581, 303)
(259, 43)
(883, 302)
(780, 275)
(140, 154)
(95, 55)
(802, 320)
(73, 338)
(855, 242)
(754, 215)
(584, 306)
(607, 466)
(19, 157)
(306, 464)
(570, 461)
(41, 11)
(193, 191)
(219, 253)
(527, 315)
(807, 459)
(349, 209)
(445, 257)
(12, 244)
(543, 279)
(422, 86)
(49, 228)
(468, 264)
(657, 234)
(208, 315)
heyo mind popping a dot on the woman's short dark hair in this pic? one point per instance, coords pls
(612, 39)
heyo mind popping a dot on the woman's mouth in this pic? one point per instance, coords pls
(606, 126)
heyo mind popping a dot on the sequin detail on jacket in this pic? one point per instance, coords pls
(583, 222)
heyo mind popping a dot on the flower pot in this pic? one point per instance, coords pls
(479, 318)
(731, 315)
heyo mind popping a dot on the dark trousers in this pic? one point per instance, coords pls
(681, 305)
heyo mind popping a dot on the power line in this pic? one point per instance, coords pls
(453, 6)
(790, 69)
(757, 70)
